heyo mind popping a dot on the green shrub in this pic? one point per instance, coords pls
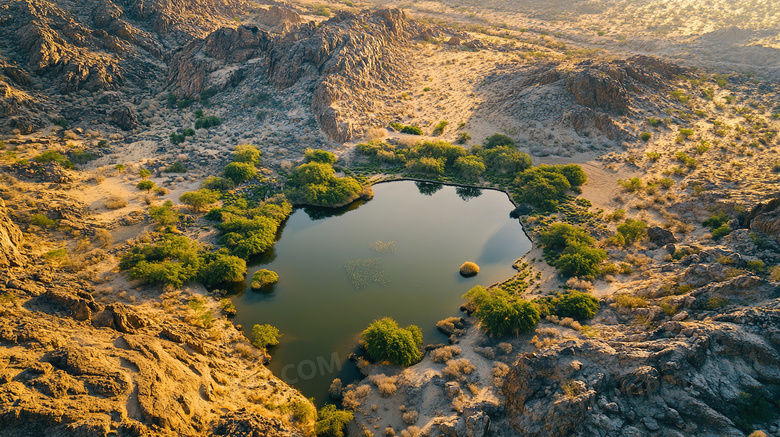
(177, 138)
(199, 198)
(500, 314)
(471, 167)
(561, 235)
(176, 167)
(78, 156)
(246, 153)
(686, 133)
(720, 232)
(316, 184)
(498, 140)
(411, 130)
(146, 185)
(53, 156)
(320, 156)
(384, 340)
(645, 136)
(716, 220)
(263, 278)
(631, 185)
(653, 156)
(264, 336)
(331, 421)
(165, 215)
(580, 260)
(579, 306)
(463, 138)
(42, 220)
(220, 268)
(654, 122)
(217, 183)
(631, 230)
(439, 129)
(173, 260)
(207, 122)
(61, 122)
(188, 132)
(239, 172)
(755, 266)
(504, 159)
(322, 11)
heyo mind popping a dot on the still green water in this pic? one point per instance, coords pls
(335, 279)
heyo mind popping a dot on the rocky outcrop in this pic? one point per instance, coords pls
(347, 61)
(10, 240)
(59, 375)
(686, 378)
(765, 218)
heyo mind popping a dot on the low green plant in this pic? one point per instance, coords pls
(439, 128)
(320, 156)
(146, 185)
(55, 157)
(207, 122)
(42, 220)
(144, 173)
(645, 136)
(577, 305)
(239, 172)
(500, 314)
(384, 340)
(331, 422)
(199, 199)
(263, 278)
(498, 140)
(264, 336)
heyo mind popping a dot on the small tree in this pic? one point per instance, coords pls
(332, 421)
(631, 230)
(263, 278)
(220, 268)
(264, 336)
(320, 156)
(239, 172)
(247, 153)
(471, 167)
(144, 173)
(384, 340)
(579, 306)
(199, 198)
(146, 185)
(497, 140)
(164, 215)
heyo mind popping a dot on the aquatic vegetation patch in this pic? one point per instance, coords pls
(381, 247)
(367, 271)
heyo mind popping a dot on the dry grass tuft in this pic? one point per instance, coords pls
(115, 202)
(469, 269)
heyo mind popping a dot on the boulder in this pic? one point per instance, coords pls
(660, 236)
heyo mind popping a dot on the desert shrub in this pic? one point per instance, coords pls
(498, 140)
(176, 167)
(207, 122)
(628, 301)
(165, 215)
(579, 306)
(411, 130)
(239, 172)
(115, 202)
(177, 138)
(504, 159)
(457, 368)
(468, 269)
(631, 185)
(716, 220)
(426, 165)
(631, 230)
(198, 199)
(384, 340)
(561, 235)
(580, 260)
(249, 231)
(315, 184)
(173, 260)
(471, 167)
(331, 421)
(645, 136)
(384, 384)
(264, 336)
(53, 156)
(500, 314)
(246, 153)
(320, 156)
(263, 278)
(444, 354)
(686, 133)
(78, 156)
(720, 232)
(653, 156)
(219, 268)
(217, 183)
(42, 220)
(439, 128)
(144, 173)
(755, 266)
(463, 138)
(146, 185)
(665, 183)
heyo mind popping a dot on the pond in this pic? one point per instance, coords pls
(394, 256)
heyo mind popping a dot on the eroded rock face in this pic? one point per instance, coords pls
(765, 218)
(685, 379)
(347, 61)
(59, 375)
(10, 240)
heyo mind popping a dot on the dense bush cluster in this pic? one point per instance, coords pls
(175, 260)
(541, 186)
(719, 225)
(384, 340)
(315, 183)
(501, 314)
(577, 305)
(570, 249)
(246, 230)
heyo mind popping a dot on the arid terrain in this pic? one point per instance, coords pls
(670, 107)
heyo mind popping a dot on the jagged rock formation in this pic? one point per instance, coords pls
(10, 239)
(348, 61)
(69, 366)
(685, 378)
(765, 218)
